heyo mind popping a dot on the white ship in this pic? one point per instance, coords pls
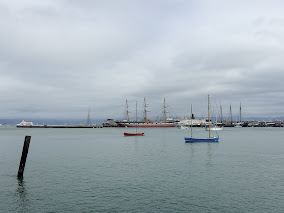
(195, 122)
(25, 123)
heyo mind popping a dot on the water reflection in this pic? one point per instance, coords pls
(192, 151)
(209, 155)
(22, 194)
(199, 149)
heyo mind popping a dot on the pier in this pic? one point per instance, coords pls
(62, 126)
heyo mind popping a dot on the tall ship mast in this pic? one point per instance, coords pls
(146, 122)
(229, 121)
(127, 112)
(145, 105)
(165, 112)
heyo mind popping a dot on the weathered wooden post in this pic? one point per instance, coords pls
(24, 156)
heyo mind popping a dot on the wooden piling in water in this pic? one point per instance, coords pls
(24, 156)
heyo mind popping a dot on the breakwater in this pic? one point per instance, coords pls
(62, 126)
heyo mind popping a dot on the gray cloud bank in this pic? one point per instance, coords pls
(57, 58)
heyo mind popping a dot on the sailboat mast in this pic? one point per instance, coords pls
(89, 117)
(209, 115)
(145, 111)
(127, 112)
(191, 121)
(240, 112)
(165, 112)
(231, 114)
(221, 121)
(136, 116)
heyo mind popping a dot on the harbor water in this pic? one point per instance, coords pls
(100, 170)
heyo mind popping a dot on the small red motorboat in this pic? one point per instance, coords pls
(134, 134)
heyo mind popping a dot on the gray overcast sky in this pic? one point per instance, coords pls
(58, 57)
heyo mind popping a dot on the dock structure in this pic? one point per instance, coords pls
(62, 126)
(25, 124)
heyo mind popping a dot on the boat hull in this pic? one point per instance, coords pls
(134, 134)
(146, 125)
(193, 140)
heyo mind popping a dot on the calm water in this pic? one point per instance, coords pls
(100, 170)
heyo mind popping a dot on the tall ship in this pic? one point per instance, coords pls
(166, 122)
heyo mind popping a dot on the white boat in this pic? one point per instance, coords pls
(214, 128)
(238, 124)
(183, 127)
(25, 123)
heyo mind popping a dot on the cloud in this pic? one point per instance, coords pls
(57, 58)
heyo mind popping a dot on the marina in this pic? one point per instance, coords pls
(182, 123)
(166, 122)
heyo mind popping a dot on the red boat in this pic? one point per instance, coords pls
(134, 134)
